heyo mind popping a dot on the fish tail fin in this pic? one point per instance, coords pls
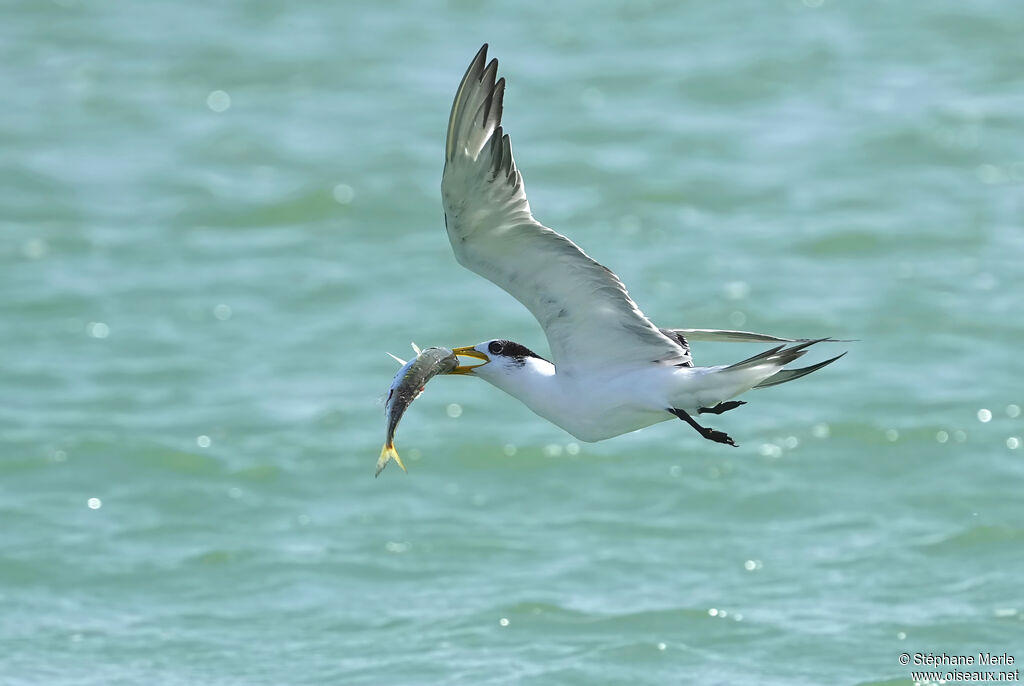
(388, 453)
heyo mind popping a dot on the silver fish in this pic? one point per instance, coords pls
(406, 387)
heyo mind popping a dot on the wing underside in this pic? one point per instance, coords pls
(586, 313)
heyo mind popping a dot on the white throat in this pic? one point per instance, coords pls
(534, 383)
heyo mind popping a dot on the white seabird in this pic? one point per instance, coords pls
(612, 370)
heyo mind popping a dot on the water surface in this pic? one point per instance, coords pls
(218, 216)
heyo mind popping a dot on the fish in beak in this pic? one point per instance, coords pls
(469, 351)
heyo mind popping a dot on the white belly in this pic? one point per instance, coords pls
(596, 406)
(594, 409)
(611, 424)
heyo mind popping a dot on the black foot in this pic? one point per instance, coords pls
(718, 437)
(706, 432)
(722, 407)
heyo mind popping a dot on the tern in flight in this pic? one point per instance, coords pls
(611, 370)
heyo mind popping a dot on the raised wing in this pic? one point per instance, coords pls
(588, 317)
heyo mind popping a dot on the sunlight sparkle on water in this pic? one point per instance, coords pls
(1013, 411)
(94, 503)
(984, 415)
(941, 436)
(736, 290)
(509, 449)
(503, 621)
(1012, 442)
(97, 330)
(454, 410)
(222, 312)
(203, 441)
(343, 194)
(218, 101)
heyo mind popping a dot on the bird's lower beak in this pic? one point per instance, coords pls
(469, 351)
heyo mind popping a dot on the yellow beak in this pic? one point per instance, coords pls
(469, 351)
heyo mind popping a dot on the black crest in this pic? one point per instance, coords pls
(511, 349)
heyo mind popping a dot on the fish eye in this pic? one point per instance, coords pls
(495, 348)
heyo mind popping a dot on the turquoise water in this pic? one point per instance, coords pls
(217, 217)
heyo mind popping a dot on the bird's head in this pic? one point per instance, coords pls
(501, 359)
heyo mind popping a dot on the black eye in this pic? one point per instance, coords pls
(495, 348)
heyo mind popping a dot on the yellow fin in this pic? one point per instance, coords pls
(387, 454)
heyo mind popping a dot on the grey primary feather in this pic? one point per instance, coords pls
(730, 336)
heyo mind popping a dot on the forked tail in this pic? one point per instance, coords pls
(784, 375)
(388, 453)
(779, 356)
(760, 371)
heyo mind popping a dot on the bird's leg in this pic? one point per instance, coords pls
(722, 407)
(706, 432)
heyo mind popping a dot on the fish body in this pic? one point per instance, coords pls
(406, 387)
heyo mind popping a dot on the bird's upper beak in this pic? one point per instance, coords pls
(469, 351)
